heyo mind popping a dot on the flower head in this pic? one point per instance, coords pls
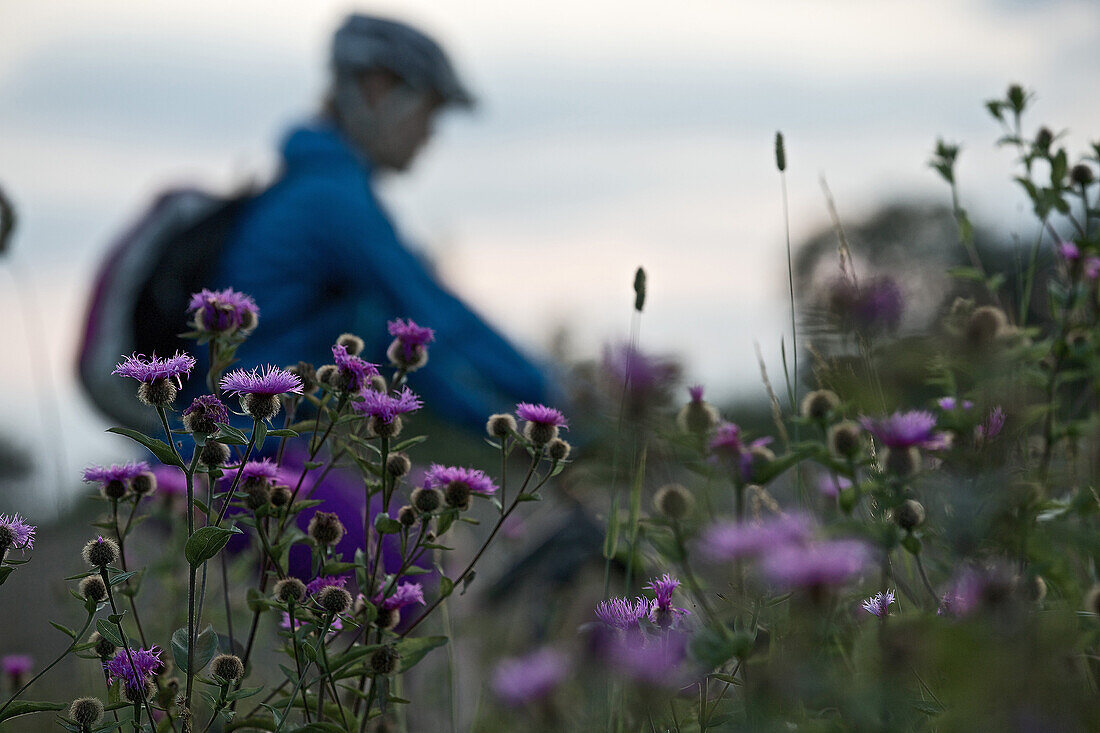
(264, 470)
(662, 612)
(992, 425)
(950, 404)
(641, 373)
(1068, 251)
(153, 368)
(170, 480)
(696, 392)
(915, 428)
(408, 348)
(266, 381)
(445, 477)
(406, 594)
(386, 407)
(621, 613)
(316, 585)
(656, 662)
(334, 628)
(879, 604)
(731, 540)
(872, 306)
(819, 564)
(203, 414)
(146, 663)
(121, 472)
(831, 486)
(1092, 267)
(223, 310)
(541, 414)
(15, 532)
(727, 441)
(353, 373)
(520, 680)
(16, 665)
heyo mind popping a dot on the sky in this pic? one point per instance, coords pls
(609, 135)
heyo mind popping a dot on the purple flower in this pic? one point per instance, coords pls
(732, 540)
(121, 472)
(20, 533)
(406, 594)
(335, 627)
(907, 429)
(948, 404)
(661, 612)
(696, 392)
(264, 470)
(386, 407)
(879, 604)
(621, 613)
(727, 441)
(314, 586)
(439, 477)
(147, 370)
(1068, 251)
(823, 563)
(170, 480)
(642, 373)
(963, 595)
(831, 486)
(223, 310)
(1092, 267)
(541, 415)
(355, 373)
(267, 381)
(411, 337)
(656, 662)
(208, 407)
(876, 306)
(520, 680)
(992, 426)
(16, 665)
(146, 662)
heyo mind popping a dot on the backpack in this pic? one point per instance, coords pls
(141, 292)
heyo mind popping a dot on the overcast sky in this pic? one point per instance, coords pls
(610, 135)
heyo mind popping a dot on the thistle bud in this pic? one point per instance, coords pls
(100, 552)
(326, 374)
(558, 449)
(844, 439)
(406, 515)
(326, 529)
(113, 490)
(780, 153)
(280, 495)
(457, 495)
(697, 416)
(540, 433)
(7, 538)
(1044, 138)
(102, 646)
(378, 383)
(984, 325)
(140, 694)
(387, 618)
(214, 454)
(351, 342)
(260, 406)
(305, 371)
(290, 590)
(901, 462)
(93, 588)
(398, 465)
(228, 667)
(909, 515)
(144, 483)
(411, 359)
(384, 660)
(818, 404)
(334, 599)
(1081, 174)
(204, 414)
(158, 393)
(500, 426)
(258, 493)
(673, 501)
(426, 500)
(86, 712)
(383, 429)
(639, 289)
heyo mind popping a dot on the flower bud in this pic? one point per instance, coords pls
(1035, 588)
(214, 454)
(141, 694)
(457, 495)
(144, 483)
(378, 426)
(204, 414)
(280, 495)
(326, 529)
(305, 371)
(260, 406)
(901, 462)
(1081, 174)
(384, 660)
(818, 404)
(334, 599)
(540, 433)
(558, 449)
(113, 490)
(673, 501)
(909, 515)
(1044, 138)
(100, 552)
(426, 500)
(500, 426)
(984, 325)
(158, 393)
(258, 492)
(697, 416)
(411, 359)
(103, 647)
(351, 342)
(406, 515)
(93, 588)
(378, 383)
(326, 374)
(228, 667)
(86, 712)
(398, 464)
(387, 618)
(844, 439)
(7, 538)
(290, 590)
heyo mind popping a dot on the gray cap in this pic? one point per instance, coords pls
(367, 42)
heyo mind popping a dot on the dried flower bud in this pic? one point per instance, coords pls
(844, 439)
(818, 404)
(158, 393)
(228, 667)
(351, 342)
(540, 433)
(93, 588)
(406, 515)
(426, 500)
(280, 495)
(457, 495)
(901, 462)
(384, 660)
(144, 483)
(326, 374)
(290, 590)
(113, 490)
(398, 465)
(1081, 174)
(214, 454)
(558, 449)
(383, 429)
(326, 529)
(673, 501)
(909, 515)
(697, 416)
(258, 492)
(103, 647)
(100, 552)
(260, 406)
(305, 371)
(500, 426)
(145, 692)
(984, 325)
(334, 599)
(86, 712)
(387, 618)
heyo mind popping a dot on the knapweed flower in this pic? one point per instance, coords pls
(647, 378)
(622, 613)
(950, 404)
(873, 306)
(352, 373)
(171, 480)
(916, 428)
(317, 584)
(662, 613)
(406, 594)
(384, 409)
(815, 565)
(204, 413)
(151, 369)
(146, 663)
(16, 665)
(1068, 251)
(520, 680)
(542, 422)
(409, 350)
(334, 628)
(15, 533)
(992, 426)
(879, 604)
(259, 389)
(1092, 267)
(727, 442)
(697, 416)
(222, 311)
(458, 484)
(732, 540)
(115, 480)
(964, 593)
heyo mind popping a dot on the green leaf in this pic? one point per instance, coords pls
(228, 431)
(384, 525)
(206, 646)
(207, 542)
(158, 448)
(261, 433)
(243, 693)
(282, 433)
(409, 443)
(26, 707)
(5, 571)
(63, 628)
(108, 631)
(446, 586)
(121, 577)
(413, 650)
(319, 727)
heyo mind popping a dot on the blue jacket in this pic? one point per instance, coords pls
(321, 257)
